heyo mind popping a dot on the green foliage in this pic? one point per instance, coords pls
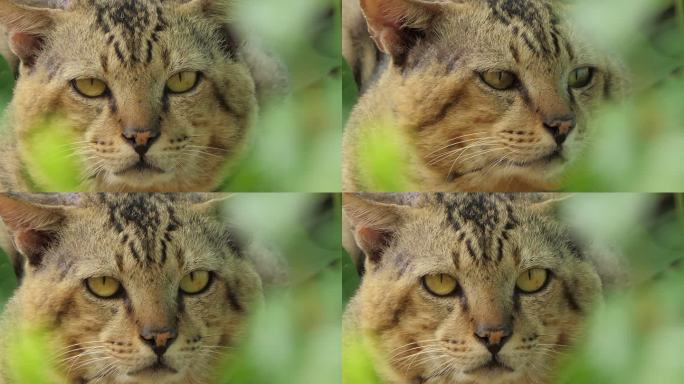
(297, 145)
(27, 363)
(56, 169)
(6, 84)
(383, 158)
(636, 144)
(358, 363)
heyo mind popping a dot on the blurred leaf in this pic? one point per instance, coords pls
(55, 168)
(6, 84)
(29, 361)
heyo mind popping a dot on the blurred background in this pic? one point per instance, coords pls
(296, 337)
(636, 144)
(637, 335)
(296, 145)
(298, 141)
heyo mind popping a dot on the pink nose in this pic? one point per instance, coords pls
(560, 128)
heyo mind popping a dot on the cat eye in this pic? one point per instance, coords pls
(103, 287)
(499, 80)
(532, 280)
(581, 77)
(89, 87)
(195, 282)
(182, 82)
(440, 284)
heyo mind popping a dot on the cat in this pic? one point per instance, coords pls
(152, 95)
(142, 288)
(486, 95)
(470, 287)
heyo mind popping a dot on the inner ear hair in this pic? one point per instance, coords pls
(373, 225)
(32, 228)
(26, 28)
(396, 25)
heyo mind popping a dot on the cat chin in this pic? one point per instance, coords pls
(152, 376)
(134, 180)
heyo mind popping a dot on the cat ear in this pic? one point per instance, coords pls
(220, 8)
(32, 228)
(27, 24)
(395, 25)
(547, 202)
(207, 203)
(372, 222)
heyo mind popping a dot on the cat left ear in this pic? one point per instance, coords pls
(27, 26)
(373, 224)
(32, 228)
(220, 8)
(547, 202)
(207, 203)
(396, 25)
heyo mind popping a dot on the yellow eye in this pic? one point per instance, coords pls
(195, 282)
(440, 284)
(500, 80)
(90, 87)
(532, 280)
(580, 77)
(103, 287)
(182, 81)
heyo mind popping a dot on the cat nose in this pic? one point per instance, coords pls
(493, 337)
(560, 128)
(159, 339)
(140, 139)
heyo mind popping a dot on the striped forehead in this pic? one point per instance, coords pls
(145, 225)
(130, 27)
(482, 224)
(534, 23)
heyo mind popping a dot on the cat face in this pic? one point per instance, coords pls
(469, 288)
(496, 88)
(137, 288)
(156, 93)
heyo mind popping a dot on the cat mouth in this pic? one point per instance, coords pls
(142, 166)
(555, 157)
(158, 368)
(492, 367)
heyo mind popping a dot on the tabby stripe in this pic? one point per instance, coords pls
(232, 299)
(149, 52)
(117, 50)
(607, 86)
(469, 246)
(515, 53)
(572, 302)
(119, 261)
(453, 100)
(222, 101)
(134, 253)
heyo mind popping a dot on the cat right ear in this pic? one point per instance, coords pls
(372, 223)
(396, 25)
(32, 229)
(27, 26)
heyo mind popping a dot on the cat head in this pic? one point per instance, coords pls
(135, 287)
(469, 287)
(156, 94)
(495, 87)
